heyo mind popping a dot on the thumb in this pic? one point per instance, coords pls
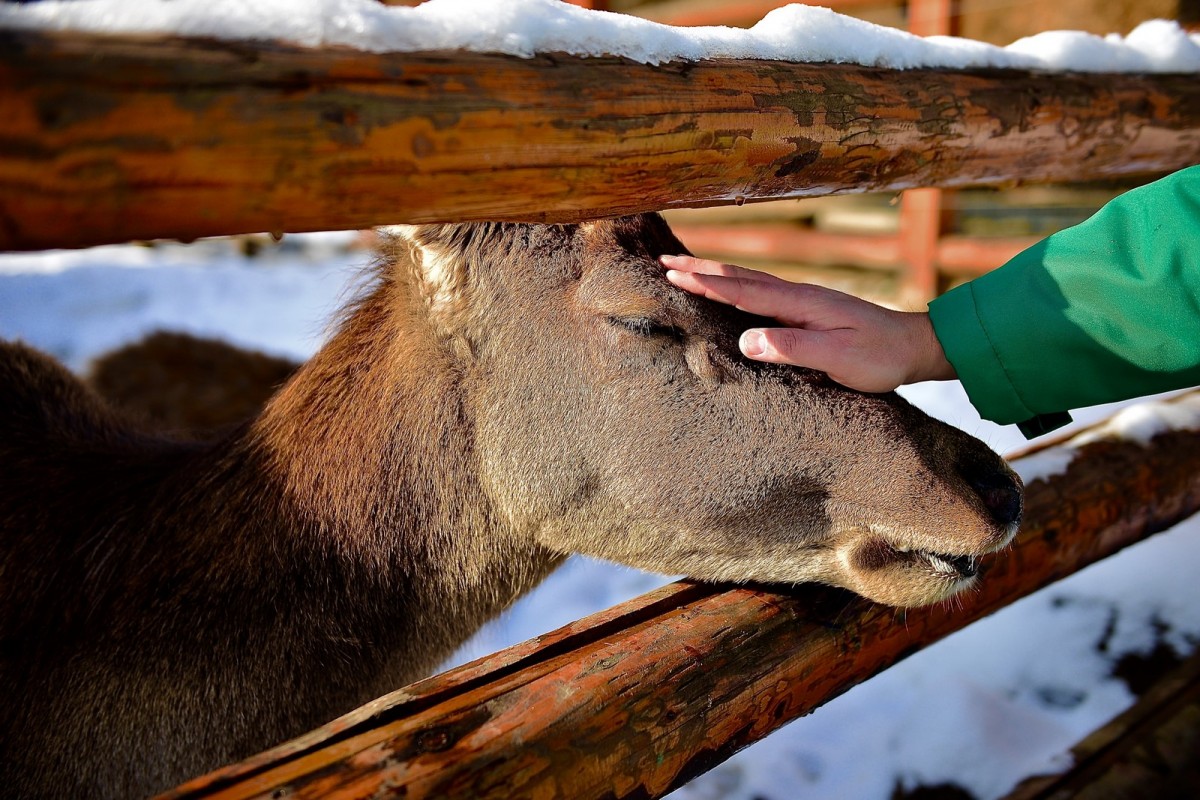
(797, 346)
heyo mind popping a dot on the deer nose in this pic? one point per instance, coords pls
(1000, 493)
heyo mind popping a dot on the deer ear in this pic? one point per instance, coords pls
(440, 268)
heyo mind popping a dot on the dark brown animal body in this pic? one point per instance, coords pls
(182, 384)
(504, 395)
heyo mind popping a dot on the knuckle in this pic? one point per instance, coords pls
(785, 341)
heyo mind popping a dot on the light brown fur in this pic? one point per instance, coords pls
(503, 396)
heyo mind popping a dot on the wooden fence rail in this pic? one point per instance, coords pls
(108, 139)
(636, 700)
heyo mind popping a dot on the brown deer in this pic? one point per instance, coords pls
(502, 396)
(187, 385)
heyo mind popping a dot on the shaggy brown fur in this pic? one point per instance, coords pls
(176, 383)
(504, 395)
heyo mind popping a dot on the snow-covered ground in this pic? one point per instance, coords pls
(981, 709)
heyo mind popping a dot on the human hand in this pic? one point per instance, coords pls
(857, 343)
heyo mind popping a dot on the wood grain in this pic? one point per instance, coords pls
(108, 139)
(643, 697)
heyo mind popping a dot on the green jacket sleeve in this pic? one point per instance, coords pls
(1103, 311)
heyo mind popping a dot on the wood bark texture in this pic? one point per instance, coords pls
(637, 700)
(108, 139)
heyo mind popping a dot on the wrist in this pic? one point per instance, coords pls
(928, 358)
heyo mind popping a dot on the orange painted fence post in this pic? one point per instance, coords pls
(924, 216)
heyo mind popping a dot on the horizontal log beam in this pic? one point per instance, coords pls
(965, 255)
(786, 242)
(975, 255)
(108, 139)
(641, 698)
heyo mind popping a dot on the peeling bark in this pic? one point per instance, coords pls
(108, 139)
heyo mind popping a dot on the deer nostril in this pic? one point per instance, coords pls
(1000, 493)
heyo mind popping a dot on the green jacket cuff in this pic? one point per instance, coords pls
(959, 329)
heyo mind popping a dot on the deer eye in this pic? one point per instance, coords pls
(645, 326)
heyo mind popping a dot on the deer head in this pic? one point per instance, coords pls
(613, 415)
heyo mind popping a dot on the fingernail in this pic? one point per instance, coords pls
(753, 343)
(673, 275)
(667, 259)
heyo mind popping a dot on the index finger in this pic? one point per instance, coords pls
(707, 266)
(794, 304)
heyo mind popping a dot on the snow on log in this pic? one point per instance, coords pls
(639, 699)
(111, 138)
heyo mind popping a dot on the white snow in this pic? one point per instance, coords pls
(983, 708)
(1138, 422)
(525, 27)
(1143, 421)
(1045, 463)
(75, 304)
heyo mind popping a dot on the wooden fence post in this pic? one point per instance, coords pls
(924, 216)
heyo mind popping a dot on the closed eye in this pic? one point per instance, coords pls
(645, 326)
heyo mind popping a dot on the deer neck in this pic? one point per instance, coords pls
(373, 450)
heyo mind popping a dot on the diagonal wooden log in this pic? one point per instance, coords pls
(639, 699)
(1149, 752)
(107, 139)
